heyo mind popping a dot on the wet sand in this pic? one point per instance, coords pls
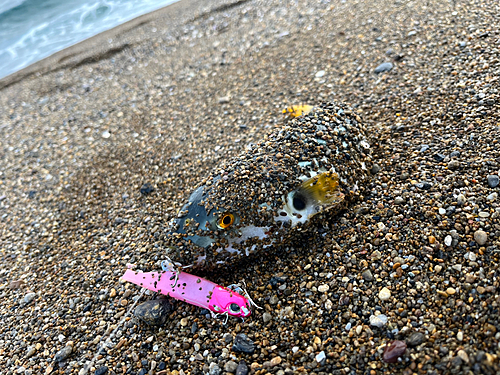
(167, 97)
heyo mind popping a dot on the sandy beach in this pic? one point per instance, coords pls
(102, 143)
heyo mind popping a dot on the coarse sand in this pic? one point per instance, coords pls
(411, 269)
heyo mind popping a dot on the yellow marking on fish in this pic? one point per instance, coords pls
(323, 188)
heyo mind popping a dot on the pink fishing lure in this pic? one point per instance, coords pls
(192, 289)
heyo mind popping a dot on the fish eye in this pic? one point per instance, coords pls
(234, 308)
(226, 221)
(298, 202)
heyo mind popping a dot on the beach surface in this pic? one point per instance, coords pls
(103, 142)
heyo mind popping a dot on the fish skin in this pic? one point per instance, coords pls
(257, 185)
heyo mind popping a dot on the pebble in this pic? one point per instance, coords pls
(367, 275)
(463, 355)
(320, 74)
(393, 351)
(384, 294)
(461, 199)
(30, 352)
(480, 237)
(450, 291)
(242, 368)
(230, 366)
(273, 300)
(101, 370)
(266, 317)
(399, 200)
(224, 100)
(323, 288)
(492, 197)
(64, 353)
(146, 189)
(378, 320)
(448, 240)
(16, 284)
(321, 356)
(453, 164)
(106, 134)
(460, 336)
(214, 369)
(29, 297)
(154, 312)
(243, 344)
(384, 67)
(415, 339)
(493, 180)
(275, 361)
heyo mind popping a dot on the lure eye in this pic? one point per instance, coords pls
(234, 308)
(226, 221)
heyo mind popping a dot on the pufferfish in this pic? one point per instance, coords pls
(306, 171)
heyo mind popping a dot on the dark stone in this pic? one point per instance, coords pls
(194, 327)
(62, 354)
(456, 362)
(367, 275)
(375, 169)
(243, 344)
(493, 180)
(31, 194)
(242, 369)
(424, 148)
(142, 372)
(101, 370)
(154, 312)
(393, 351)
(384, 67)
(415, 339)
(162, 366)
(423, 185)
(147, 188)
(274, 281)
(439, 157)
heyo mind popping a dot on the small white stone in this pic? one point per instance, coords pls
(448, 240)
(359, 329)
(321, 356)
(472, 257)
(323, 288)
(320, 74)
(460, 336)
(492, 196)
(384, 294)
(461, 199)
(106, 134)
(442, 211)
(378, 320)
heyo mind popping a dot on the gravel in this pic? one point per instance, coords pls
(72, 214)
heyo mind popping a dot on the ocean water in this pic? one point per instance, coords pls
(33, 29)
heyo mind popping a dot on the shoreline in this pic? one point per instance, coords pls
(96, 47)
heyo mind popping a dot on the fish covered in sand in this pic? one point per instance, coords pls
(297, 177)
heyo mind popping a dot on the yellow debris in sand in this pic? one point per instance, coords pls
(298, 110)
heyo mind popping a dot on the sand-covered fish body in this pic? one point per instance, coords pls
(315, 164)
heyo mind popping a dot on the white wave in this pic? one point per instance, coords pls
(6, 5)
